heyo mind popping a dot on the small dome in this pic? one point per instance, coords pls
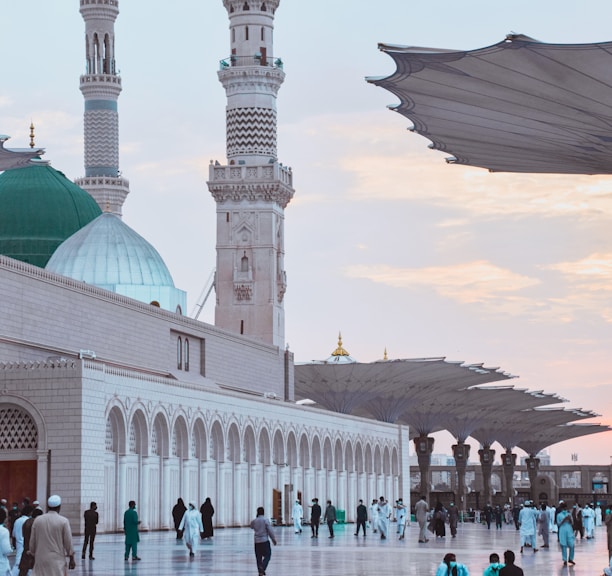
(109, 254)
(39, 209)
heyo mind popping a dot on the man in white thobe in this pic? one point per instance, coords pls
(400, 516)
(374, 515)
(191, 525)
(51, 541)
(297, 513)
(588, 521)
(528, 523)
(384, 514)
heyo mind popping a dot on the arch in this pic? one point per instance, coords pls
(198, 440)
(217, 445)
(278, 456)
(304, 452)
(138, 439)
(9, 400)
(115, 431)
(186, 354)
(338, 457)
(348, 457)
(292, 454)
(377, 468)
(180, 438)
(369, 461)
(179, 353)
(359, 465)
(316, 459)
(386, 461)
(394, 462)
(328, 459)
(233, 443)
(250, 449)
(265, 452)
(160, 437)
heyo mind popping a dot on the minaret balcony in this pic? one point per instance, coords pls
(253, 60)
(235, 173)
(104, 78)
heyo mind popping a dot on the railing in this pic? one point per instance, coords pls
(254, 60)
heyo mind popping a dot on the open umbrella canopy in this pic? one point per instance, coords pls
(517, 106)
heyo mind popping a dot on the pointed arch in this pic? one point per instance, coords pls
(316, 459)
(180, 438)
(338, 457)
(265, 452)
(377, 460)
(348, 457)
(198, 440)
(328, 457)
(369, 461)
(160, 437)
(292, 453)
(250, 448)
(359, 464)
(304, 452)
(217, 444)
(138, 439)
(233, 443)
(278, 456)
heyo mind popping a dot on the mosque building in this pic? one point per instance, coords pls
(109, 393)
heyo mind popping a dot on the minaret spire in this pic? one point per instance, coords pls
(101, 86)
(253, 188)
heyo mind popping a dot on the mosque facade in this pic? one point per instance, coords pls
(109, 393)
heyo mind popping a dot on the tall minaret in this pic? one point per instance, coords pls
(253, 189)
(101, 86)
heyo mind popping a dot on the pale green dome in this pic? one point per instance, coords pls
(109, 254)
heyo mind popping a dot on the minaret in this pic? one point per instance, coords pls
(253, 189)
(101, 86)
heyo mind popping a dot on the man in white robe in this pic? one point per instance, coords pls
(400, 517)
(297, 513)
(192, 527)
(527, 526)
(374, 515)
(18, 537)
(588, 521)
(384, 514)
(51, 541)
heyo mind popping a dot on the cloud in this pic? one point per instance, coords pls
(594, 272)
(467, 283)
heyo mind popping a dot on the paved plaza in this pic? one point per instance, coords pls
(231, 552)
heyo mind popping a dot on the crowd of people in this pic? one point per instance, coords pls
(43, 541)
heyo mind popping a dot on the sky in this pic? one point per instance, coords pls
(385, 242)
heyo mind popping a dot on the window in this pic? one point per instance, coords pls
(244, 263)
(233, 34)
(179, 353)
(186, 355)
(246, 32)
(241, 326)
(263, 33)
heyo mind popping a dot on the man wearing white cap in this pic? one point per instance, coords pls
(51, 541)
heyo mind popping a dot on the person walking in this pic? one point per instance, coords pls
(494, 565)
(453, 519)
(315, 517)
(263, 534)
(567, 538)
(51, 541)
(384, 514)
(527, 523)
(330, 517)
(191, 527)
(27, 560)
(543, 525)
(362, 518)
(130, 527)
(400, 517)
(26, 512)
(297, 514)
(178, 511)
(208, 511)
(588, 521)
(5, 544)
(374, 515)
(421, 509)
(439, 520)
(91, 522)
(510, 568)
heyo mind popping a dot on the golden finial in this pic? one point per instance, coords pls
(340, 351)
(385, 357)
(32, 135)
(107, 207)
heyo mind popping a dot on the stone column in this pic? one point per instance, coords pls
(423, 446)
(509, 462)
(486, 464)
(533, 469)
(461, 453)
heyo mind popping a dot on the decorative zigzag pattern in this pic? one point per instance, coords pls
(101, 138)
(251, 131)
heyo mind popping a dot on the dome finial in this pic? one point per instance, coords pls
(385, 357)
(340, 351)
(32, 134)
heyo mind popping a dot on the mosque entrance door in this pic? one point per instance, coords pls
(18, 480)
(277, 506)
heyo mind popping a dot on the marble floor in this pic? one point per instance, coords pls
(231, 552)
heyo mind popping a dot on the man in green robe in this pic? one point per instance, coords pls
(130, 527)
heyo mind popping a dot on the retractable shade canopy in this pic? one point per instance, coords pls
(17, 157)
(517, 106)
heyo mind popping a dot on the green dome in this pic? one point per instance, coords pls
(39, 209)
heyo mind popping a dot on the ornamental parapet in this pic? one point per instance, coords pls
(104, 9)
(268, 182)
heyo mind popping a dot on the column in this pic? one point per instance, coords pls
(533, 469)
(423, 446)
(509, 462)
(461, 453)
(486, 464)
